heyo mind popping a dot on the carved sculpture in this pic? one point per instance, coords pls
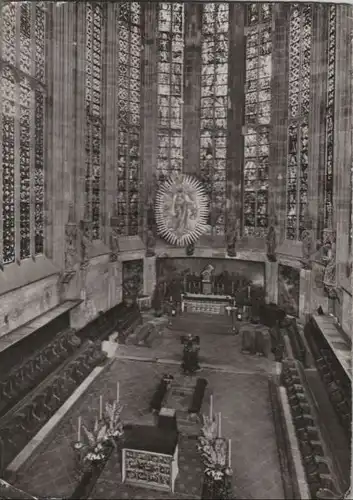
(150, 229)
(232, 234)
(85, 242)
(330, 271)
(309, 247)
(71, 247)
(114, 238)
(190, 249)
(271, 239)
(309, 244)
(181, 210)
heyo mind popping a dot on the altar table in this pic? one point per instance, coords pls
(210, 304)
(150, 457)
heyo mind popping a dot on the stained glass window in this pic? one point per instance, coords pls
(214, 108)
(128, 104)
(330, 109)
(257, 118)
(22, 96)
(94, 114)
(300, 34)
(170, 87)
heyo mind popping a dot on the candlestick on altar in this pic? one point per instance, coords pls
(117, 392)
(249, 289)
(229, 453)
(211, 407)
(219, 425)
(79, 429)
(100, 407)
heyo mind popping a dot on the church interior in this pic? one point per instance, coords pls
(175, 250)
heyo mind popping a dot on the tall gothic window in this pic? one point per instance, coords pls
(330, 109)
(128, 115)
(94, 114)
(170, 87)
(300, 34)
(214, 108)
(23, 34)
(257, 118)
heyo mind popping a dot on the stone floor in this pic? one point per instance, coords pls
(240, 394)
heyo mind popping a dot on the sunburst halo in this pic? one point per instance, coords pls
(181, 210)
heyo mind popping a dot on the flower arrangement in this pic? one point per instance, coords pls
(112, 418)
(100, 440)
(94, 448)
(214, 451)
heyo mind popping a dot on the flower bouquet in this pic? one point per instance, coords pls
(95, 448)
(217, 472)
(112, 419)
(99, 442)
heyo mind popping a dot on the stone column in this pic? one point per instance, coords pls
(80, 112)
(279, 116)
(236, 103)
(304, 294)
(317, 118)
(149, 275)
(271, 282)
(149, 110)
(57, 149)
(342, 139)
(192, 87)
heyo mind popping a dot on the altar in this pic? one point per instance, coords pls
(150, 457)
(202, 303)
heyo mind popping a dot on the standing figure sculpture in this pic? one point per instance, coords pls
(271, 240)
(183, 211)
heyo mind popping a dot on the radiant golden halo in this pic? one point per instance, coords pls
(181, 210)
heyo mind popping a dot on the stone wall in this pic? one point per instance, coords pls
(27, 302)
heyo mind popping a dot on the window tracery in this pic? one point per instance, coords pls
(170, 87)
(94, 114)
(22, 119)
(214, 108)
(300, 43)
(330, 110)
(257, 118)
(128, 98)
